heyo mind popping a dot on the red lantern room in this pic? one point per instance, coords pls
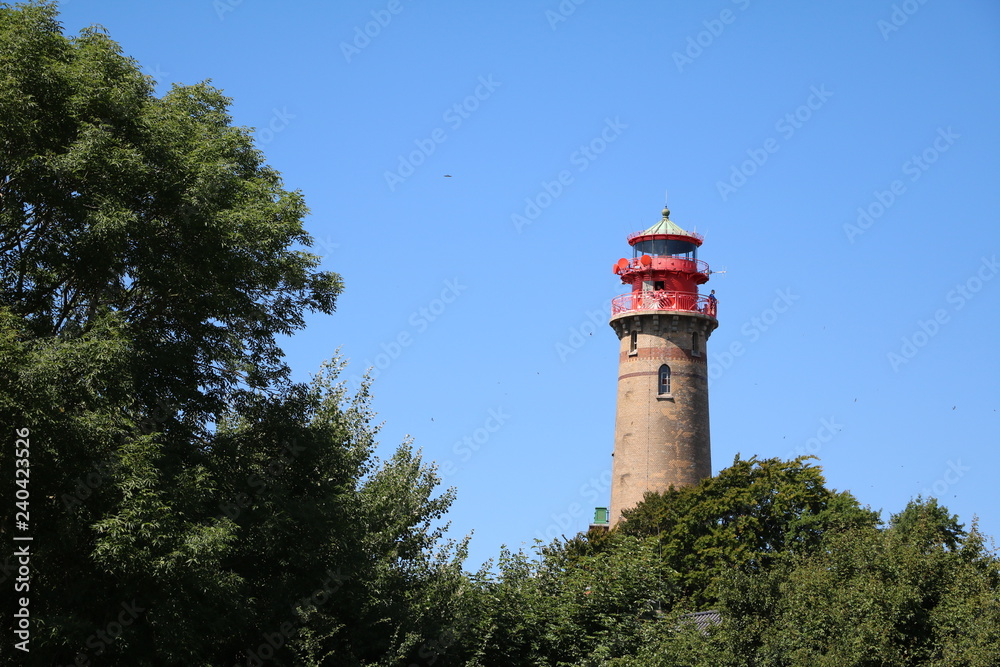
(664, 271)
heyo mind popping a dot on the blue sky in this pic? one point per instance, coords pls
(840, 159)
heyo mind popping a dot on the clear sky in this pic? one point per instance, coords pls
(840, 159)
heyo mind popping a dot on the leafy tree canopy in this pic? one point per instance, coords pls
(149, 258)
(827, 586)
(154, 216)
(749, 515)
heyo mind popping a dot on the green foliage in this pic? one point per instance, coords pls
(154, 209)
(867, 596)
(800, 576)
(149, 258)
(882, 597)
(566, 610)
(928, 524)
(747, 517)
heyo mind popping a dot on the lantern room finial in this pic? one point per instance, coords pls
(666, 212)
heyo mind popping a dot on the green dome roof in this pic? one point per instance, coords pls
(666, 226)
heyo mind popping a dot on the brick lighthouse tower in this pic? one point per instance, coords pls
(661, 425)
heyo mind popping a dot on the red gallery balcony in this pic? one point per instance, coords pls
(662, 300)
(664, 263)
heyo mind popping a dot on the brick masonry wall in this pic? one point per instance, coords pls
(660, 440)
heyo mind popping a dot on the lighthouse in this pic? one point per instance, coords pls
(663, 324)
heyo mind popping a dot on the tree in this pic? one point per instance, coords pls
(890, 597)
(927, 523)
(748, 516)
(568, 610)
(155, 215)
(866, 596)
(189, 504)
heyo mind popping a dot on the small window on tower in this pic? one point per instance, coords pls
(633, 344)
(695, 344)
(663, 388)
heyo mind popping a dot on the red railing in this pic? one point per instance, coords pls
(653, 300)
(665, 263)
(694, 235)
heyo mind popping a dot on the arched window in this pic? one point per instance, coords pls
(663, 386)
(633, 343)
